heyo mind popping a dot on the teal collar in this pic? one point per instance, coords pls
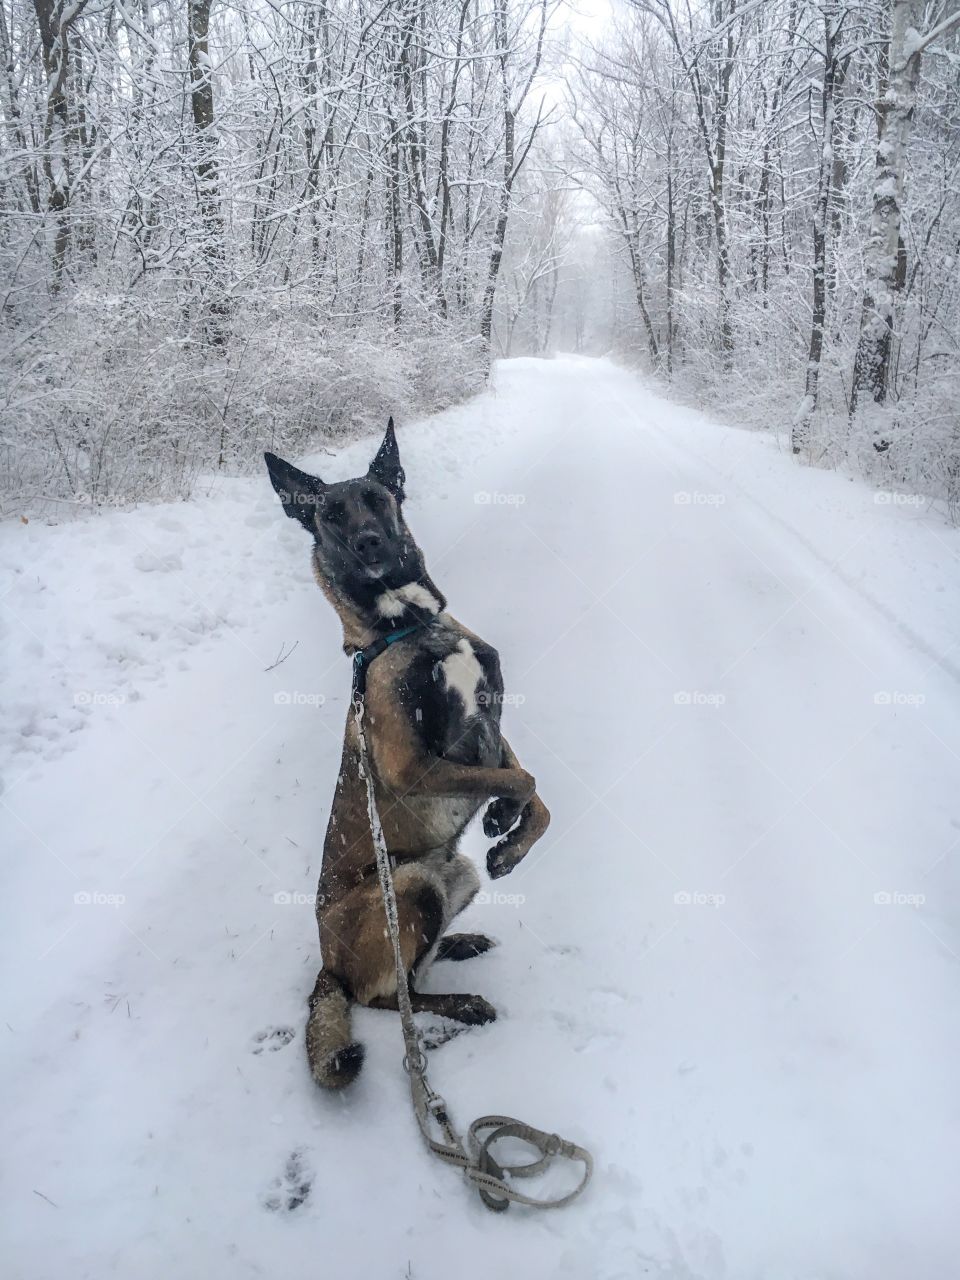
(394, 636)
(363, 657)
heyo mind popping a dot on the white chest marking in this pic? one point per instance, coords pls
(463, 673)
(392, 603)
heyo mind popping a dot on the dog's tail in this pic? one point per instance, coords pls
(335, 1059)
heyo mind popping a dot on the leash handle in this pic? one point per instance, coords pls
(550, 1145)
(481, 1168)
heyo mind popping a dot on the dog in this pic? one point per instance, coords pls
(432, 722)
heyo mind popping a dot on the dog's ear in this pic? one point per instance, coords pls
(386, 468)
(297, 491)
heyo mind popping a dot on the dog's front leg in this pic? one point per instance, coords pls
(406, 769)
(503, 813)
(429, 775)
(534, 818)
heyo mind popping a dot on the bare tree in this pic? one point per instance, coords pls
(884, 254)
(834, 69)
(214, 288)
(55, 18)
(512, 98)
(707, 59)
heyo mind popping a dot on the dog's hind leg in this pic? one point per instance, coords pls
(460, 882)
(430, 891)
(474, 1011)
(457, 879)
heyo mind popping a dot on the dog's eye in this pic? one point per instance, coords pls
(333, 512)
(373, 499)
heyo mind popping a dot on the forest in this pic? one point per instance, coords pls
(237, 224)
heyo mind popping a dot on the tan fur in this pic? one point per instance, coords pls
(328, 1034)
(356, 943)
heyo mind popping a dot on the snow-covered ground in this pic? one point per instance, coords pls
(730, 968)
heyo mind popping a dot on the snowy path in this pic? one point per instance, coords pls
(740, 701)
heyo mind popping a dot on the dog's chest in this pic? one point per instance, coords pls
(454, 693)
(462, 676)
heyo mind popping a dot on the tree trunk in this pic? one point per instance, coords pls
(509, 144)
(871, 372)
(500, 231)
(671, 253)
(799, 436)
(511, 165)
(54, 21)
(213, 275)
(717, 177)
(394, 224)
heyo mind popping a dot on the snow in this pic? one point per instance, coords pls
(729, 969)
(913, 43)
(887, 188)
(807, 404)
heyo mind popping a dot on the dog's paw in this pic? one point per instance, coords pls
(474, 1011)
(500, 817)
(501, 860)
(463, 946)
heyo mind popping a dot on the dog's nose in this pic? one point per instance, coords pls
(367, 544)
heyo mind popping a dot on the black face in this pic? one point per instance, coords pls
(362, 544)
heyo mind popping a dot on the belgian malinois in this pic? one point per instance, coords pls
(432, 715)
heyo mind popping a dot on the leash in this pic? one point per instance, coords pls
(491, 1177)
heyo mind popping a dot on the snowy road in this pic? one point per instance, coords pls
(731, 967)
